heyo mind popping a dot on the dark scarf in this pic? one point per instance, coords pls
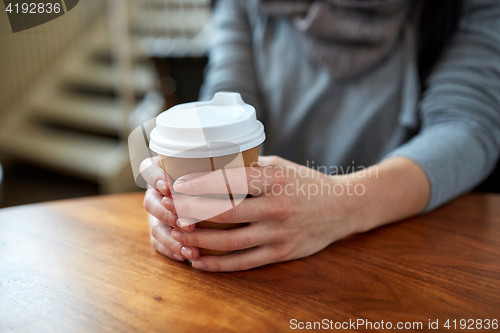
(347, 37)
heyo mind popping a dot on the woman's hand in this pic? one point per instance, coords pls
(159, 204)
(293, 213)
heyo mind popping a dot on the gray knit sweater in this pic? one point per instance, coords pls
(452, 131)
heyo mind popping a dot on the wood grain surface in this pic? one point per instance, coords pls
(86, 265)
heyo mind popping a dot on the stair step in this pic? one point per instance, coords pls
(98, 113)
(170, 22)
(176, 47)
(104, 77)
(80, 154)
(102, 53)
(170, 3)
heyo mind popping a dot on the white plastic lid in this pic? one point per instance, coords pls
(222, 126)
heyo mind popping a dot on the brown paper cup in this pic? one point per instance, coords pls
(177, 167)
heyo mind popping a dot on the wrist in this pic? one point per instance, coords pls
(354, 203)
(387, 192)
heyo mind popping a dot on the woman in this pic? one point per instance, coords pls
(337, 84)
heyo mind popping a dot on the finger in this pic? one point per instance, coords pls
(153, 205)
(152, 221)
(266, 160)
(200, 208)
(185, 223)
(240, 261)
(275, 160)
(155, 176)
(213, 182)
(165, 251)
(250, 180)
(168, 203)
(190, 253)
(222, 210)
(162, 234)
(225, 240)
(186, 251)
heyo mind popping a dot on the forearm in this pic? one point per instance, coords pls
(231, 66)
(459, 134)
(394, 189)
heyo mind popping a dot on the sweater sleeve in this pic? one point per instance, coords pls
(231, 65)
(459, 141)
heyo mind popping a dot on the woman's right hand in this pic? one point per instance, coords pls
(162, 218)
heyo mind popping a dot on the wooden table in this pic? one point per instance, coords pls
(86, 265)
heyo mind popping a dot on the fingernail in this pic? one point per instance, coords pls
(183, 222)
(178, 257)
(168, 203)
(199, 264)
(161, 185)
(187, 252)
(176, 235)
(181, 185)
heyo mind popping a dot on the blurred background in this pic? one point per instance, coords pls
(72, 89)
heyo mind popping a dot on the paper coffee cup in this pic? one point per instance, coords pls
(208, 136)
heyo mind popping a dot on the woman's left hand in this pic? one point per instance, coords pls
(293, 213)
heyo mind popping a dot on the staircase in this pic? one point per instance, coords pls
(74, 120)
